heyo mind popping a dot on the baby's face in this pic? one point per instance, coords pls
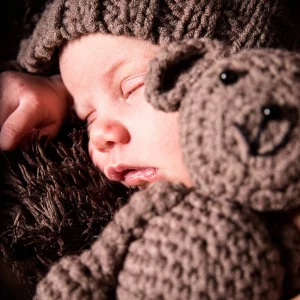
(129, 141)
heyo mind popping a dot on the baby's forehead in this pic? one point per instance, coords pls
(96, 52)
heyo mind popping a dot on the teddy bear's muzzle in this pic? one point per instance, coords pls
(273, 130)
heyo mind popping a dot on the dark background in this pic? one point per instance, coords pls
(15, 19)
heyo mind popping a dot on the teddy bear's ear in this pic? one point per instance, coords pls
(176, 67)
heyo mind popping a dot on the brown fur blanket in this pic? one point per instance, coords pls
(54, 202)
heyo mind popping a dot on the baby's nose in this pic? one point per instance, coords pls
(105, 134)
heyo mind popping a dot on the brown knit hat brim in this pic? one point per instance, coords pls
(241, 24)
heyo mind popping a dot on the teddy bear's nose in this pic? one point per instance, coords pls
(272, 131)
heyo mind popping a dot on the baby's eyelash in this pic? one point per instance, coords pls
(89, 122)
(132, 90)
(131, 84)
(87, 125)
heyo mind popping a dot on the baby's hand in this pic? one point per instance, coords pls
(30, 103)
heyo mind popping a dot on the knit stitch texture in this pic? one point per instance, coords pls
(241, 24)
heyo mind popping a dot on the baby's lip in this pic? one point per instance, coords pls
(131, 176)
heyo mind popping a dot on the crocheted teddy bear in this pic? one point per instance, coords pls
(239, 132)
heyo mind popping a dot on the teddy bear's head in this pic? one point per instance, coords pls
(239, 119)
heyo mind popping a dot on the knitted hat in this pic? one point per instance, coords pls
(240, 23)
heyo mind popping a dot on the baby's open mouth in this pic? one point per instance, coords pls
(132, 176)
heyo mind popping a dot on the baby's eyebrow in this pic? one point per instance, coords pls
(114, 67)
(109, 75)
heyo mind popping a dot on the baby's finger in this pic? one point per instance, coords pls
(17, 126)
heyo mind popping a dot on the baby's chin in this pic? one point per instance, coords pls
(138, 187)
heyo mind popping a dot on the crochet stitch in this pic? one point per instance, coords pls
(213, 241)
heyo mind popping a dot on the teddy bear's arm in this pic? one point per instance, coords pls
(93, 274)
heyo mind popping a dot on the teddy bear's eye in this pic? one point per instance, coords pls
(229, 77)
(271, 112)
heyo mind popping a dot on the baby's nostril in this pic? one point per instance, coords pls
(271, 112)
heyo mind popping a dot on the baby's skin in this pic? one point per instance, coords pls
(29, 103)
(102, 76)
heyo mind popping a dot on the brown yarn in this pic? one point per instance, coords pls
(232, 114)
(216, 142)
(171, 253)
(93, 275)
(241, 24)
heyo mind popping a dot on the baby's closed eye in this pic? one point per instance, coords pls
(90, 119)
(132, 84)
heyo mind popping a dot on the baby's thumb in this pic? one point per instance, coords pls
(14, 130)
(21, 124)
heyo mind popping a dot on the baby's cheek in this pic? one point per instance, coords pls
(94, 155)
(90, 148)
